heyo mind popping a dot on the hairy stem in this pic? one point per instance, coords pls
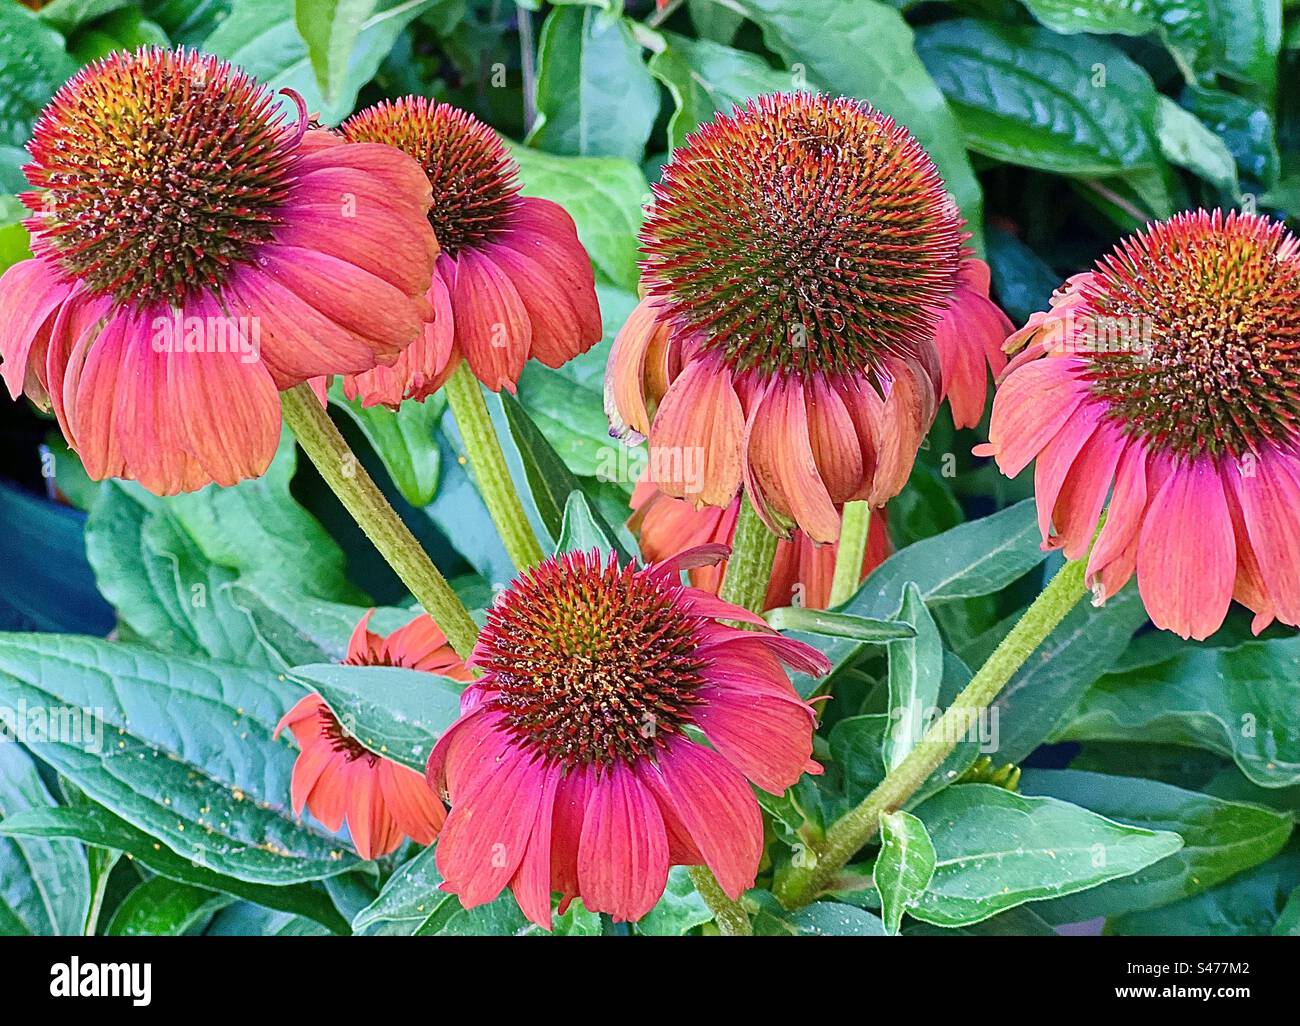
(855, 525)
(488, 462)
(847, 837)
(342, 471)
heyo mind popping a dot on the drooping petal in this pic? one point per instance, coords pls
(30, 294)
(695, 440)
(1031, 406)
(768, 738)
(1187, 561)
(623, 852)
(715, 807)
(486, 834)
(625, 397)
(1269, 496)
(493, 330)
(781, 473)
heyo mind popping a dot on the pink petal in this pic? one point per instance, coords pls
(714, 806)
(30, 292)
(623, 853)
(493, 330)
(531, 883)
(1270, 506)
(1032, 404)
(1187, 561)
(768, 738)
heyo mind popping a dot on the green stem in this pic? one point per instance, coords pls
(749, 570)
(848, 836)
(729, 916)
(745, 584)
(855, 525)
(490, 471)
(342, 471)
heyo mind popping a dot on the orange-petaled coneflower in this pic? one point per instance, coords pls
(801, 571)
(512, 280)
(194, 254)
(338, 778)
(798, 257)
(575, 766)
(1172, 372)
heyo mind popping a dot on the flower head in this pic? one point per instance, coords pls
(193, 254)
(801, 571)
(575, 767)
(512, 281)
(1171, 370)
(797, 260)
(337, 777)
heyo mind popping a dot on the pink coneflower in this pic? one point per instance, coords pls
(337, 777)
(798, 257)
(512, 280)
(575, 766)
(801, 571)
(194, 254)
(969, 338)
(1172, 370)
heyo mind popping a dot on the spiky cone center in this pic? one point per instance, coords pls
(338, 738)
(475, 183)
(159, 171)
(592, 662)
(1194, 331)
(802, 233)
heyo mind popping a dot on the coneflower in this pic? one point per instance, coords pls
(1171, 372)
(512, 279)
(193, 256)
(575, 768)
(338, 778)
(798, 257)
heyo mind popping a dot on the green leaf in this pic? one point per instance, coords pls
(1246, 129)
(603, 195)
(33, 65)
(95, 826)
(707, 78)
(1185, 141)
(411, 905)
(170, 566)
(1288, 923)
(915, 673)
(550, 483)
(44, 884)
(122, 30)
(904, 866)
(995, 850)
(595, 97)
(396, 713)
(66, 15)
(1250, 904)
(1028, 96)
(820, 919)
(679, 911)
(1239, 702)
(838, 625)
(572, 417)
(1220, 839)
(583, 531)
(974, 559)
(864, 48)
(164, 908)
(262, 37)
(1085, 645)
(330, 29)
(179, 748)
(1121, 17)
(405, 439)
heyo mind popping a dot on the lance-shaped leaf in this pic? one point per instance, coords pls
(904, 866)
(179, 748)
